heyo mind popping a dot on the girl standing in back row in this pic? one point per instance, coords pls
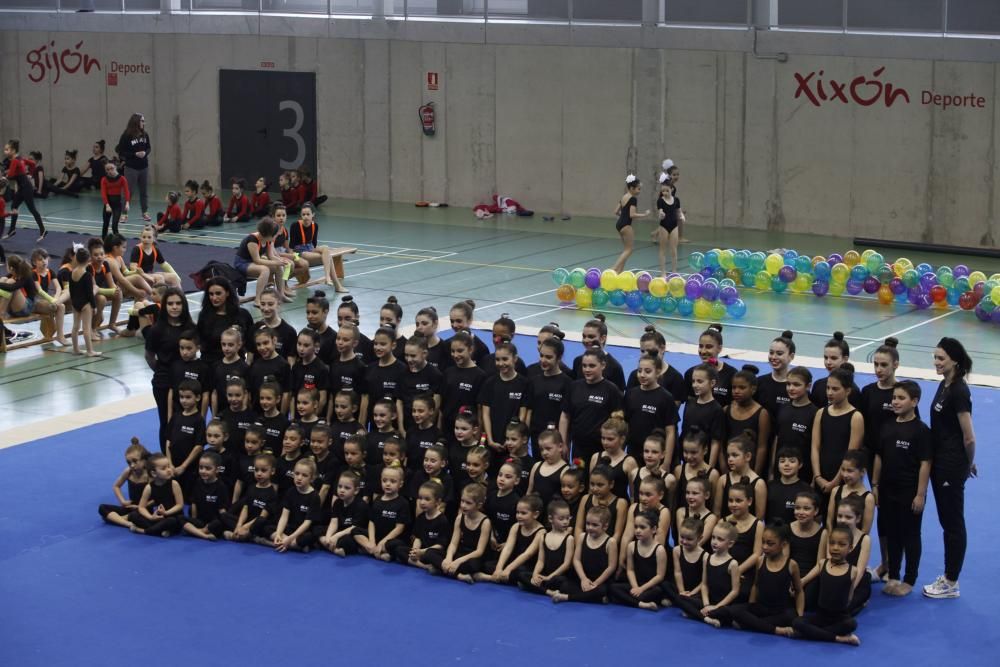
(134, 147)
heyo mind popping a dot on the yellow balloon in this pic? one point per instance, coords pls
(995, 276)
(609, 279)
(676, 287)
(726, 259)
(977, 277)
(658, 287)
(885, 296)
(995, 296)
(840, 273)
(702, 309)
(817, 259)
(802, 282)
(584, 298)
(626, 281)
(773, 263)
(836, 289)
(866, 254)
(851, 258)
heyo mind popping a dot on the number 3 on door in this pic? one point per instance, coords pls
(293, 134)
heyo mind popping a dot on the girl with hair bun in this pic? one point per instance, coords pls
(461, 316)
(772, 392)
(746, 414)
(212, 214)
(71, 183)
(837, 428)
(628, 211)
(710, 351)
(595, 336)
(348, 313)
(652, 343)
(95, 166)
(836, 353)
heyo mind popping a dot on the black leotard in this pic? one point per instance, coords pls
(718, 581)
(594, 561)
(644, 566)
(670, 213)
(743, 547)
(553, 558)
(804, 550)
(834, 591)
(773, 587)
(81, 292)
(625, 216)
(691, 572)
(548, 486)
(835, 434)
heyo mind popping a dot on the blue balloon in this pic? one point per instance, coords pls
(685, 307)
(737, 309)
(923, 268)
(855, 286)
(859, 272)
(778, 285)
(696, 261)
(711, 259)
(741, 259)
(790, 256)
(748, 278)
(617, 297)
(953, 296)
(668, 304)
(650, 303)
(822, 271)
(710, 291)
(633, 300)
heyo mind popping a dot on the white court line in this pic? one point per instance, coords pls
(170, 236)
(728, 323)
(515, 300)
(518, 319)
(399, 266)
(910, 328)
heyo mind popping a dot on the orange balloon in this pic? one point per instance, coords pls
(885, 295)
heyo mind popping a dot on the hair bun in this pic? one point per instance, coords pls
(470, 303)
(892, 341)
(716, 326)
(600, 317)
(848, 367)
(347, 299)
(751, 369)
(319, 294)
(135, 440)
(649, 328)
(838, 335)
(787, 334)
(392, 299)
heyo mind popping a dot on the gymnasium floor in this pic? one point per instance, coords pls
(78, 592)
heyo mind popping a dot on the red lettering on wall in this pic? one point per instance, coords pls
(46, 61)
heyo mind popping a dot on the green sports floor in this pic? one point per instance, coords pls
(437, 256)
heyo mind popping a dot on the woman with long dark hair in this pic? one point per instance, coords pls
(954, 459)
(134, 147)
(220, 309)
(162, 349)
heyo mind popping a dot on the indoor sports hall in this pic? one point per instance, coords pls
(475, 149)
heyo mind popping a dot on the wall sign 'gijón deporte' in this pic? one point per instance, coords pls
(870, 90)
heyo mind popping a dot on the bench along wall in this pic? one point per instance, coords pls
(877, 146)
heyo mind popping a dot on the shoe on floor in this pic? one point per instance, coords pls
(942, 589)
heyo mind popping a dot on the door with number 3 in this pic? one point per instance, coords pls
(267, 123)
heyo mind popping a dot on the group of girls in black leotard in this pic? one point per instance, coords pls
(566, 480)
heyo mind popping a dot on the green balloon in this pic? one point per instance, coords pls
(600, 297)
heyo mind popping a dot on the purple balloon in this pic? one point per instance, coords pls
(697, 277)
(709, 291)
(692, 289)
(787, 274)
(981, 314)
(897, 286)
(871, 284)
(924, 302)
(593, 278)
(820, 287)
(854, 286)
(729, 295)
(995, 316)
(707, 272)
(960, 270)
(835, 258)
(928, 280)
(642, 282)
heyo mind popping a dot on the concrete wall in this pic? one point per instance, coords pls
(558, 126)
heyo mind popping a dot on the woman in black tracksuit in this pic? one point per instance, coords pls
(134, 147)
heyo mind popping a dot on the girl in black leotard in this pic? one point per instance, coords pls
(595, 561)
(668, 233)
(545, 475)
(836, 428)
(81, 296)
(836, 581)
(623, 467)
(646, 566)
(771, 610)
(17, 172)
(627, 211)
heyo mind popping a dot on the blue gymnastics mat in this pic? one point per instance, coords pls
(76, 591)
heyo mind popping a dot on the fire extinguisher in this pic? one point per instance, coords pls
(426, 113)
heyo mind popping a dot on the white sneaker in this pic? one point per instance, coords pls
(941, 589)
